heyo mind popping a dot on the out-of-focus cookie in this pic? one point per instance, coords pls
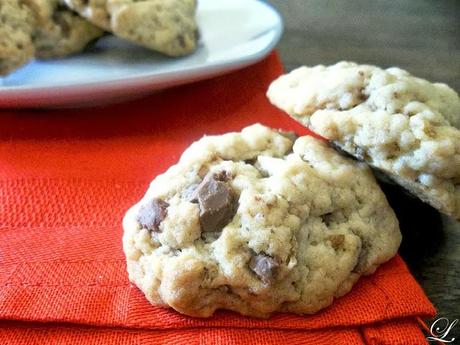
(42, 29)
(405, 126)
(257, 222)
(16, 27)
(60, 32)
(167, 26)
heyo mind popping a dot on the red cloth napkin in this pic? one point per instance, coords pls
(68, 176)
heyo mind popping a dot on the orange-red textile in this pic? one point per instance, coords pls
(68, 176)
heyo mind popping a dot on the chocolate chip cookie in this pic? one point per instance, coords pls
(404, 126)
(16, 27)
(58, 31)
(42, 29)
(256, 222)
(167, 26)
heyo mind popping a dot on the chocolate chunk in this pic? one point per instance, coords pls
(216, 201)
(152, 214)
(264, 266)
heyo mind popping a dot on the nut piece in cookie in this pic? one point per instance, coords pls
(166, 26)
(402, 125)
(257, 221)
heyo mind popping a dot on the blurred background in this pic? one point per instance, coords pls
(423, 37)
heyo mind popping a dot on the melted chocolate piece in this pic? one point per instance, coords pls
(264, 266)
(152, 214)
(216, 201)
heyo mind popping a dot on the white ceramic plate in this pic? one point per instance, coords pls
(234, 34)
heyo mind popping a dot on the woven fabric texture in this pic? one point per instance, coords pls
(68, 176)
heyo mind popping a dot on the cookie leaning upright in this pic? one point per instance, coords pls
(167, 26)
(256, 222)
(16, 27)
(405, 126)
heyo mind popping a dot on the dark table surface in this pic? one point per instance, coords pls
(423, 37)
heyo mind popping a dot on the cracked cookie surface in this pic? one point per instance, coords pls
(166, 26)
(404, 126)
(256, 222)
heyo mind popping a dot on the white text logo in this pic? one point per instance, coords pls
(440, 330)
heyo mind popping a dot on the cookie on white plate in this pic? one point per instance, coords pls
(404, 126)
(16, 27)
(167, 26)
(256, 222)
(59, 32)
(40, 29)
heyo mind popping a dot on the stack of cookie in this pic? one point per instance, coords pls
(56, 28)
(263, 221)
